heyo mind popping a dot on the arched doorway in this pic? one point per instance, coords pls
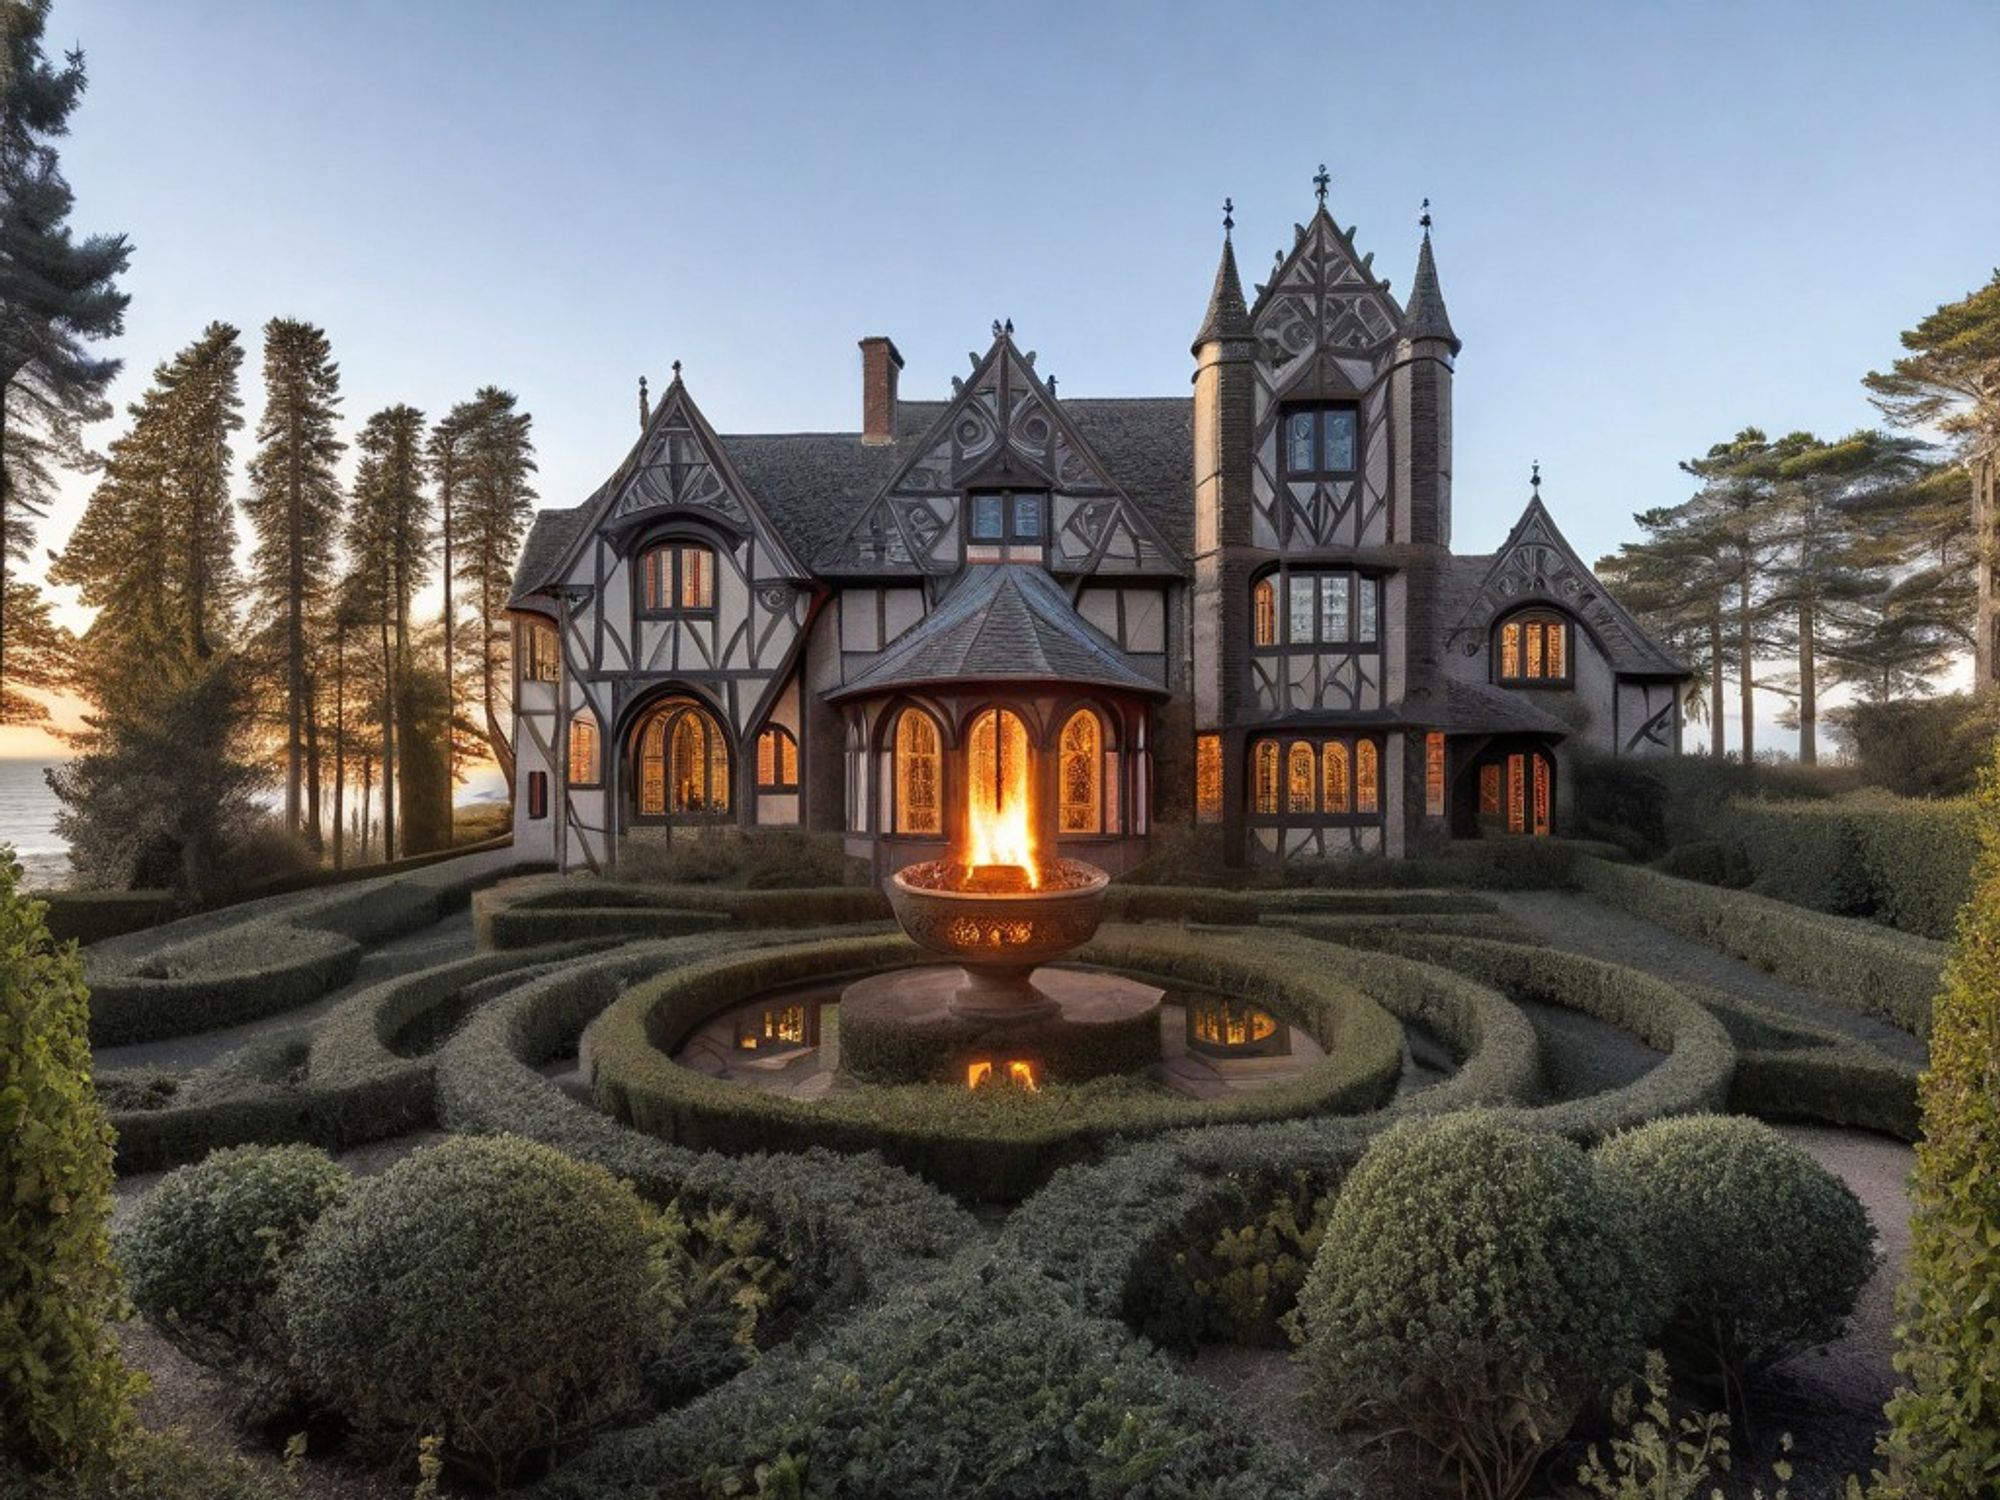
(680, 763)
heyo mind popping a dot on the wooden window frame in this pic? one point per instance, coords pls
(675, 579)
(1271, 611)
(1318, 411)
(583, 719)
(1521, 649)
(780, 739)
(667, 715)
(538, 795)
(528, 659)
(1359, 757)
(1011, 534)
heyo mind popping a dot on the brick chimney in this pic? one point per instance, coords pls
(879, 364)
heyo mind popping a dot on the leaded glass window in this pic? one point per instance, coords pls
(1337, 777)
(919, 792)
(1265, 788)
(1321, 441)
(1208, 778)
(583, 749)
(683, 762)
(1367, 777)
(1300, 591)
(1081, 773)
(1299, 778)
(1335, 595)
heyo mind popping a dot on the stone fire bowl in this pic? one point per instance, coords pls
(1000, 937)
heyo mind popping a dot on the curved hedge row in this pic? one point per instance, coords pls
(993, 1145)
(845, 1226)
(553, 909)
(1874, 970)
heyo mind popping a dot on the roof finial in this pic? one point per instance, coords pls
(1321, 183)
(677, 369)
(1052, 385)
(1535, 478)
(645, 406)
(1426, 219)
(1228, 216)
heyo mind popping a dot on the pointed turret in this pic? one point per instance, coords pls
(1228, 314)
(1426, 317)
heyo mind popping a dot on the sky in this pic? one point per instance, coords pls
(1655, 223)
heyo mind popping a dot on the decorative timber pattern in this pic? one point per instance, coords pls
(1327, 330)
(1004, 429)
(1315, 682)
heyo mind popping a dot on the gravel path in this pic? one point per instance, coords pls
(449, 939)
(1583, 925)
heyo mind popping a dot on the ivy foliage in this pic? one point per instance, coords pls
(65, 1395)
(1944, 1436)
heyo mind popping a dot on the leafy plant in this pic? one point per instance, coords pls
(1253, 1271)
(1659, 1456)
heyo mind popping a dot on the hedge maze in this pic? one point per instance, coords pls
(1010, 1273)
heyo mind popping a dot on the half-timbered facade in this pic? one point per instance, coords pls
(1239, 607)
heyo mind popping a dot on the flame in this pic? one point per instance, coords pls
(997, 826)
(978, 1073)
(1022, 1075)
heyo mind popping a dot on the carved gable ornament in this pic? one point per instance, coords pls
(1324, 320)
(677, 471)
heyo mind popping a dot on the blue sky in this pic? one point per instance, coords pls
(1655, 222)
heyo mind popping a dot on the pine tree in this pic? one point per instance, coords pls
(294, 507)
(58, 295)
(1736, 507)
(1950, 381)
(446, 453)
(388, 543)
(498, 499)
(1678, 581)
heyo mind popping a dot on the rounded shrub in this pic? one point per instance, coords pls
(1761, 1249)
(488, 1291)
(206, 1249)
(1475, 1286)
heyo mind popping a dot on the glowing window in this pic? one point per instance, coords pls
(1264, 613)
(1265, 787)
(676, 577)
(996, 763)
(1534, 647)
(540, 652)
(1367, 778)
(1208, 778)
(1299, 778)
(777, 759)
(1434, 774)
(1541, 795)
(1517, 793)
(683, 762)
(1080, 775)
(1489, 791)
(583, 749)
(1336, 796)
(919, 793)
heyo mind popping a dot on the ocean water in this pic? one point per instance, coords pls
(28, 815)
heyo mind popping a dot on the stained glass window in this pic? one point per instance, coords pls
(1299, 443)
(683, 762)
(1337, 440)
(1081, 775)
(1535, 648)
(583, 749)
(1334, 592)
(919, 805)
(1338, 777)
(1300, 592)
(1555, 652)
(1541, 795)
(1489, 791)
(1320, 441)
(1434, 774)
(1264, 613)
(989, 518)
(1208, 778)
(1367, 778)
(1368, 595)
(677, 576)
(1510, 650)
(539, 652)
(777, 758)
(1265, 790)
(1299, 778)
(1517, 794)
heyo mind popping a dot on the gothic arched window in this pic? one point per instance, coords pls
(1367, 777)
(1534, 648)
(777, 760)
(1335, 796)
(1300, 775)
(1080, 771)
(583, 770)
(1264, 789)
(919, 777)
(1264, 613)
(683, 762)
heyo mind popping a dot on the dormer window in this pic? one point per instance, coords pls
(1535, 649)
(677, 578)
(1322, 441)
(1007, 516)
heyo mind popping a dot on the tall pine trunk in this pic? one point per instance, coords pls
(295, 624)
(445, 487)
(1808, 687)
(367, 812)
(1718, 744)
(313, 833)
(390, 686)
(1986, 524)
(339, 748)
(1746, 667)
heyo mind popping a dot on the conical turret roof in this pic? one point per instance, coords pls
(1228, 315)
(1426, 317)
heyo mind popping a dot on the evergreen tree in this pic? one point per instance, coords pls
(388, 543)
(498, 499)
(294, 507)
(58, 295)
(447, 453)
(1678, 580)
(1736, 509)
(1950, 380)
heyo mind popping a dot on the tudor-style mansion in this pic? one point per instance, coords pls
(1239, 607)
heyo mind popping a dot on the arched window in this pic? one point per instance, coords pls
(1264, 791)
(541, 652)
(1338, 777)
(683, 762)
(677, 578)
(918, 774)
(1534, 648)
(1367, 778)
(1081, 774)
(583, 770)
(777, 760)
(1300, 774)
(1264, 613)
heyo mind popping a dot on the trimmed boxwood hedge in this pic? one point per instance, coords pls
(843, 1226)
(1870, 969)
(91, 916)
(552, 909)
(993, 1145)
(1903, 861)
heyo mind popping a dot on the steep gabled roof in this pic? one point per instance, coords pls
(1536, 564)
(1002, 622)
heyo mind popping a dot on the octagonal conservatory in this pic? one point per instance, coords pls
(1002, 726)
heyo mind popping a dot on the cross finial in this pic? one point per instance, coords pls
(1052, 385)
(677, 369)
(1426, 219)
(1228, 216)
(1321, 183)
(1535, 478)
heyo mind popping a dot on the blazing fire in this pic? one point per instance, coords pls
(1020, 1075)
(998, 830)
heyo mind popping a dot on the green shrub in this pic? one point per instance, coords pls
(90, 916)
(1806, 853)
(1762, 1250)
(1921, 747)
(207, 1247)
(1252, 1271)
(65, 1395)
(1475, 1287)
(1710, 861)
(721, 1289)
(1943, 1442)
(984, 1381)
(1869, 969)
(487, 1290)
(151, 1466)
